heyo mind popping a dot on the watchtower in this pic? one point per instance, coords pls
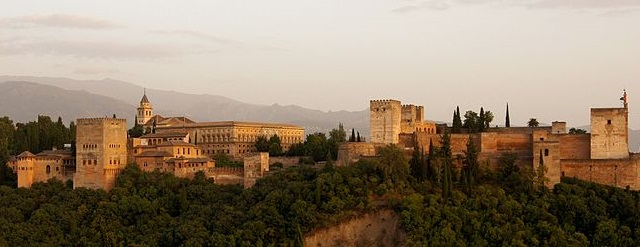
(610, 132)
(101, 152)
(385, 121)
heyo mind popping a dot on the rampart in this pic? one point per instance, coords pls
(613, 172)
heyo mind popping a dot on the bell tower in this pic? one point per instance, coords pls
(145, 111)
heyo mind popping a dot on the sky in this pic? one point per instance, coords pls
(549, 59)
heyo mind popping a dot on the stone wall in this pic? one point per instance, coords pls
(613, 172)
(256, 165)
(351, 152)
(227, 175)
(609, 133)
(285, 161)
(575, 146)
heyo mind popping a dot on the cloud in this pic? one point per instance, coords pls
(59, 21)
(583, 3)
(578, 4)
(436, 5)
(95, 71)
(198, 35)
(85, 49)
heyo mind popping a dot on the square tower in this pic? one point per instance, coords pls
(101, 152)
(609, 133)
(385, 121)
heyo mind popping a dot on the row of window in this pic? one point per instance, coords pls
(114, 146)
(89, 146)
(89, 162)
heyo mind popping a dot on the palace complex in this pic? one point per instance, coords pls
(175, 145)
(181, 146)
(601, 156)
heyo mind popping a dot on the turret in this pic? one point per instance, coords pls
(145, 111)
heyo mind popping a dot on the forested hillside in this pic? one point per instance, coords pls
(437, 205)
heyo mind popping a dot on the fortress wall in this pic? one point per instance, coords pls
(520, 144)
(227, 175)
(351, 152)
(613, 172)
(576, 146)
(285, 161)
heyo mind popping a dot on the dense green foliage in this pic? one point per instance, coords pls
(157, 209)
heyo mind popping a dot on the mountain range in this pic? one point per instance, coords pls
(24, 97)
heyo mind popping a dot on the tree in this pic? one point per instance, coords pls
(316, 146)
(507, 121)
(358, 139)
(446, 160)
(470, 121)
(262, 144)
(470, 164)
(541, 170)
(481, 120)
(275, 146)
(533, 123)
(457, 121)
(353, 136)
(488, 118)
(393, 164)
(336, 137)
(575, 131)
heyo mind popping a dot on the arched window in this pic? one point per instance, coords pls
(48, 169)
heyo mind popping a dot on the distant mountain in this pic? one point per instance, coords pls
(204, 107)
(24, 101)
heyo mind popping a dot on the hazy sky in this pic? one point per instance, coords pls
(550, 59)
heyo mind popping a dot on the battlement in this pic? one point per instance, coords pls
(384, 102)
(100, 120)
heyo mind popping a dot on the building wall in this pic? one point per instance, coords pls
(227, 175)
(25, 166)
(101, 152)
(255, 167)
(613, 172)
(575, 146)
(384, 121)
(236, 139)
(350, 152)
(609, 133)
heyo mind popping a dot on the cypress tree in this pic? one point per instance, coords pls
(457, 121)
(507, 122)
(447, 174)
(481, 120)
(353, 136)
(358, 139)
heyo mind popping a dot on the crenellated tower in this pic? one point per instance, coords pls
(145, 111)
(385, 121)
(101, 152)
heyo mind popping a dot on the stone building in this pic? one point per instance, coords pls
(233, 138)
(389, 118)
(30, 168)
(601, 156)
(170, 152)
(101, 152)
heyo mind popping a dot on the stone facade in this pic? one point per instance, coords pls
(170, 153)
(30, 168)
(601, 156)
(236, 139)
(256, 166)
(609, 133)
(101, 152)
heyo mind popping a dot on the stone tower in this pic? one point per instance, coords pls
(609, 132)
(385, 121)
(145, 111)
(101, 152)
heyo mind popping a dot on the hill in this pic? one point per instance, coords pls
(24, 101)
(205, 107)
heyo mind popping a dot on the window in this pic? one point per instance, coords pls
(608, 121)
(48, 169)
(546, 152)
